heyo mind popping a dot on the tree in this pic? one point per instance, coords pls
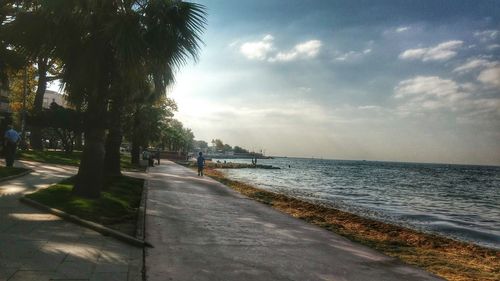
(63, 123)
(31, 32)
(238, 149)
(104, 43)
(227, 147)
(219, 145)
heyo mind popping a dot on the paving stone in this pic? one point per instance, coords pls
(39, 246)
(109, 276)
(28, 275)
(74, 270)
(6, 272)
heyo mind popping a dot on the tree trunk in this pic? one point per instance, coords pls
(113, 142)
(90, 175)
(36, 132)
(135, 153)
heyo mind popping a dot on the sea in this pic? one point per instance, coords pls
(457, 201)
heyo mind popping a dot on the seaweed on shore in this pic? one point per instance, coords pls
(451, 259)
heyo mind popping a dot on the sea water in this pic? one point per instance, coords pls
(457, 201)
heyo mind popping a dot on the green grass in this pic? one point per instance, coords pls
(53, 157)
(71, 159)
(10, 171)
(119, 201)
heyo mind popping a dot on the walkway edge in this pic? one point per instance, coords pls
(92, 225)
(16, 176)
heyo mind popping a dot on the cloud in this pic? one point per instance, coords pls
(476, 63)
(486, 35)
(352, 55)
(493, 47)
(308, 49)
(265, 50)
(441, 52)
(490, 76)
(402, 29)
(431, 94)
(422, 86)
(258, 50)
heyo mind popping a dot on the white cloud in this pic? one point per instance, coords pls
(425, 94)
(486, 35)
(352, 55)
(265, 49)
(477, 63)
(402, 29)
(258, 50)
(490, 76)
(441, 52)
(493, 47)
(369, 107)
(422, 86)
(308, 49)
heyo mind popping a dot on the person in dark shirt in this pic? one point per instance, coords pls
(201, 163)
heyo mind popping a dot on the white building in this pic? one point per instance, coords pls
(52, 96)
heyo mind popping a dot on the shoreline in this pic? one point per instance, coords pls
(448, 258)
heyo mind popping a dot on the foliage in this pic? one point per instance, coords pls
(238, 149)
(176, 137)
(117, 52)
(200, 144)
(65, 123)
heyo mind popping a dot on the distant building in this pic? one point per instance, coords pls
(53, 96)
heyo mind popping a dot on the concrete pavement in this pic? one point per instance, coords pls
(202, 230)
(35, 246)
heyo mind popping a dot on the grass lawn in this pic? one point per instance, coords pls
(116, 208)
(10, 171)
(71, 159)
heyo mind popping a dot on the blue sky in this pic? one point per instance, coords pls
(377, 80)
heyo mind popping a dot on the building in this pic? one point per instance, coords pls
(53, 96)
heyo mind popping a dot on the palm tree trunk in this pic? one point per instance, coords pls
(36, 132)
(90, 175)
(113, 142)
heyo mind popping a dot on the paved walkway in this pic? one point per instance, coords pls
(202, 230)
(38, 246)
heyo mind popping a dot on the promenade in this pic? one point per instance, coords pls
(36, 246)
(202, 230)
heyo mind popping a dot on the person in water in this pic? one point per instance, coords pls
(201, 163)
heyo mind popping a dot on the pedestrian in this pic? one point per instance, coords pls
(158, 155)
(11, 139)
(201, 163)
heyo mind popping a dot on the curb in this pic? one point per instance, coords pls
(16, 176)
(92, 225)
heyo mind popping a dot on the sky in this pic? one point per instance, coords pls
(412, 81)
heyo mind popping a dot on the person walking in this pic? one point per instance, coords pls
(11, 139)
(201, 163)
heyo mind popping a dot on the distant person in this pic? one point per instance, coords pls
(147, 155)
(201, 163)
(11, 139)
(158, 156)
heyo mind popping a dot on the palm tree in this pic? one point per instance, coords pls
(110, 51)
(106, 43)
(169, 35)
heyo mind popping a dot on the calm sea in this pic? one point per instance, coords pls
(458, 201)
